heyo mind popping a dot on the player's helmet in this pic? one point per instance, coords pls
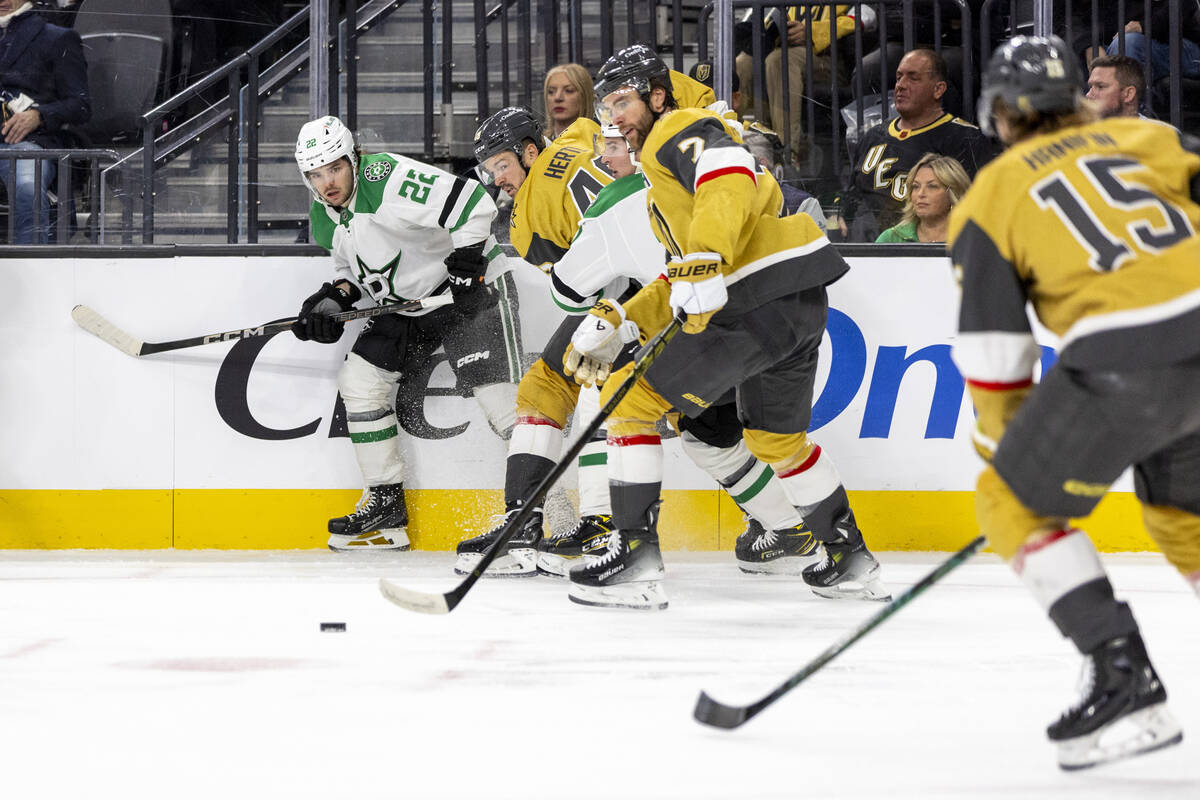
(506, 131)
(1030, 73)
(322, 142)
(632, 67)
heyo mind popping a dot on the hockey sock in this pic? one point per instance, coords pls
(815, 488)
(635, 470)
(532, 452)
(593, 459)
(374, 435)
(499, 404)
(752, 484)
(1064, 572)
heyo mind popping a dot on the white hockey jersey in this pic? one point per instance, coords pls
(404, 218)
(613, 244)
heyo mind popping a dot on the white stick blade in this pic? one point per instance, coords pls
(421, 602)
(104, 330)
(437, 300)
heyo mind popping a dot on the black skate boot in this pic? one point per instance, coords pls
(379, 522)
(783, 552)
(586, 540)
(1122, 711)
(628, 575)
(519, 556)
(848, 570)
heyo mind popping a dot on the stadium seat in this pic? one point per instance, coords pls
(124, 73)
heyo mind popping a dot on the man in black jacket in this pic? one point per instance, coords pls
(43, 85)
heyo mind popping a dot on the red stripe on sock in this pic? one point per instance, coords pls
(629, 441)
(808, 463)
(1000, 386)
(1018, 562)
(537, 421)
(717, 173)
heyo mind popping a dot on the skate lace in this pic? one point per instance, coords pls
(1086, 684)
(765, 539)
(614, 549)
(366, 504)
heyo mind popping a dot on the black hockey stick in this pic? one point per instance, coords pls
(444, 603)
(719, 715)
(98, 326)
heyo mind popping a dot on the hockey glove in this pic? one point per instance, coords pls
(597, 342)
(467, 267)
(697, 288)
(313, 322)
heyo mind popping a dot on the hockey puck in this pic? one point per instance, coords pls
(333, 627)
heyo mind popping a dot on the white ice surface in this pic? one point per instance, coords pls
(204, 675)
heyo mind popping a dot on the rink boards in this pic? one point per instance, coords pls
(243, 445)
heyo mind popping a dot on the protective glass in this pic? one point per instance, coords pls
(498, 165)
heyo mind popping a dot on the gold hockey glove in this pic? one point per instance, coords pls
(597, 342)
(697, 288)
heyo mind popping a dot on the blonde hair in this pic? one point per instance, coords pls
(1022, 125)
(949, 173)
(578, 77)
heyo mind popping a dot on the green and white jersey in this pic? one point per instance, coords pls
(404, 218)
(613, 244)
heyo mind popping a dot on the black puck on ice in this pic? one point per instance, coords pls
(333, 627)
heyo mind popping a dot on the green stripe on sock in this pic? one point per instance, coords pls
(756, 487)
(373, 436)
(593, 460)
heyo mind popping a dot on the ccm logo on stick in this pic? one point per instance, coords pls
(231, 335)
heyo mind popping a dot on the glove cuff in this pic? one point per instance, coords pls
(694, 267)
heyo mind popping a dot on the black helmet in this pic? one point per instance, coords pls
(1030, 73)
(506, 130)
(632, 66)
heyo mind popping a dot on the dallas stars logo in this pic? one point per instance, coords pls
(377, 171)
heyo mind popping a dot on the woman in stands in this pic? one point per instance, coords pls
(935, 184)
(568, 95)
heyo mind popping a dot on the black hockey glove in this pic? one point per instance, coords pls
(313, 322)
(467, 267)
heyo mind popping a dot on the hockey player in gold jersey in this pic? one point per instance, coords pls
(1094, 224)
(753, 287)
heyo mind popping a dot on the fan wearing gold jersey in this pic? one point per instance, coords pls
(1094, 224)
(753, 287)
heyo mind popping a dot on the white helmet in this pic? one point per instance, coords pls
(322, 142)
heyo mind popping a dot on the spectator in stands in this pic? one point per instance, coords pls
(1160, 53)
(924, 34)
(1116, 84)
(935, 185)
(43, 83)
(702, 71)
(568, 94)
(763, 143)
(804, 23)
(874, 200)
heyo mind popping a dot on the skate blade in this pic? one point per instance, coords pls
(1152, 728)
(516, 563)
(788, 565)
(390, 539)
(873, 590)
(641, 595)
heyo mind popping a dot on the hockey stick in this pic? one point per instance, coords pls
(98, 326)
(719, 715)
(444, 603)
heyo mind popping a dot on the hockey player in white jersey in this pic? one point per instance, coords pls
(399, 229)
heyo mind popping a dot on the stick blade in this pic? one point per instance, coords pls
(718, 715)
(421, 602)
(104, 330)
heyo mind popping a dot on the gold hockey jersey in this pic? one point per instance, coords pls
(559, 187)
(1095, 226)
(707, 195)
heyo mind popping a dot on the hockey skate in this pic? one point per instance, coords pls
(1122, 710)
(586, 540)
(378, 523)
(783, 552)
(848, 571)
(628, 575)
(519, 556)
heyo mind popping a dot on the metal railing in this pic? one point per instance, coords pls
(65, 159)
